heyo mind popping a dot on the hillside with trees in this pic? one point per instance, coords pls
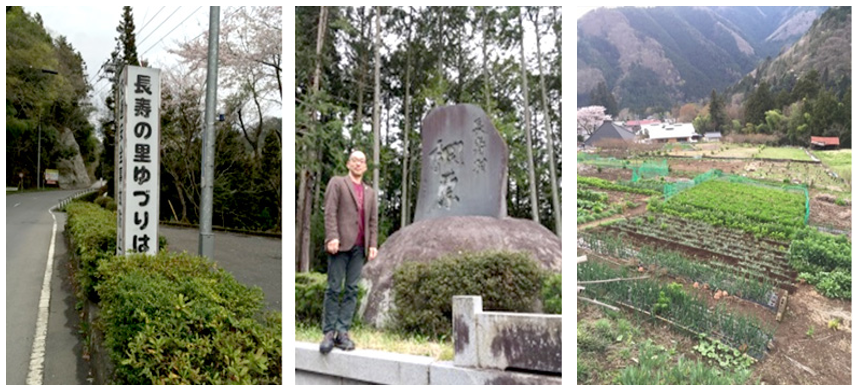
(46, 92)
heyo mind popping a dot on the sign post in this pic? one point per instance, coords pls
(138, 161)
(52, 176)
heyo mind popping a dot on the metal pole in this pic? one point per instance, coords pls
(207, 240)
(39, 155)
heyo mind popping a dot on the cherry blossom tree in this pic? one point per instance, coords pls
(589, 118)
(249, 66)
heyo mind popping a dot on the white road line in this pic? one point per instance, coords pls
(16, 204)
(37, 356)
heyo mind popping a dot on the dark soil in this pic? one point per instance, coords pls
(826, 353)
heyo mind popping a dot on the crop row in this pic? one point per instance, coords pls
(673, 303)
(608, 185)
(662, 228)
(741, 281)
(761, 211)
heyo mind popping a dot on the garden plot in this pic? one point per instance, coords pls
(794, 153)
(597, 199)
(839, 161)
(725, 259)
(758, 210)
(672, 303)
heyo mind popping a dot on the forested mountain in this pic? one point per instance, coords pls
(826, 47)
(660, 57)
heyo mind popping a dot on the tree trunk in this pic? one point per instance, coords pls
(302, 232)
(556, 205)
(531, 177)
(358, 128)
(488, 107)
(404, 207)
(376, 110)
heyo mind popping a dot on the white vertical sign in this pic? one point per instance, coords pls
(138, 150)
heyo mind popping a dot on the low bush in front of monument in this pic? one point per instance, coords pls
(552, 294)
(177, 319)
(310, 294)
(423, 292)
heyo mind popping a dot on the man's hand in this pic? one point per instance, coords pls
(373, 253)
(333, 246)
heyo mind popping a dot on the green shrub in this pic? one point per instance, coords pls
(93, 233)
(172, 318)
(552, 294)
(423, 292)
(310, 294)
(101, 201)
(176, 319)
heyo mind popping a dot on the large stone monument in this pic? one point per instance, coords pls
(461, 206)
(458, 178)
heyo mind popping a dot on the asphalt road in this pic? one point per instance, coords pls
(254, 261)
(28, 234)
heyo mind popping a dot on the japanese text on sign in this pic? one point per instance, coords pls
(139, 155)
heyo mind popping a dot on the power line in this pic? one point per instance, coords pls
(168, 33)
(150, 21)
(162, 22)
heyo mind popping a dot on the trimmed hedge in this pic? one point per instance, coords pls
(423, 292)
(310, 295)
(93, 230)
(173, 318)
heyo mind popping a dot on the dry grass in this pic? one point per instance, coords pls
(373, 339)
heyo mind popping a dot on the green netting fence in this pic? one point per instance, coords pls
(672, 189)
(596, 160)
(650, 170)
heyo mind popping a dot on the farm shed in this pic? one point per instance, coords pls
(712, 136)
(821, 142)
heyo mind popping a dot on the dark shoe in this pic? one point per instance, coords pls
(327, 343)
(343, 342)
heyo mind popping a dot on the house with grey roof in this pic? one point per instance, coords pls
(610, 130)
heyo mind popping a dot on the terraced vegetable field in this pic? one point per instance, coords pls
(758, 210)
(728, 250)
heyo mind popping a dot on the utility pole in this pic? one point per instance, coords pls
(39, 151)
(207, 239)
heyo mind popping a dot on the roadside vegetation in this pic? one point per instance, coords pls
(171, 318)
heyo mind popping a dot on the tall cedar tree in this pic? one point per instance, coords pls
(718, 116)
(758, 104)
(124, 54)
(600, 96)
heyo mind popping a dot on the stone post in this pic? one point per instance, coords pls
(465, 311)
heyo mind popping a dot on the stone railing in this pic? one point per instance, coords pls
(490, 348)
(505, 341)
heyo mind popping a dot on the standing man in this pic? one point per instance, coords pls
(351, 230)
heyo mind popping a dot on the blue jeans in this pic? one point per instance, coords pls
(343, 267)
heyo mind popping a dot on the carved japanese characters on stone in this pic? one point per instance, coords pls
(464, 165)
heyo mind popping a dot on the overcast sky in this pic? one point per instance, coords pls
(92, 32)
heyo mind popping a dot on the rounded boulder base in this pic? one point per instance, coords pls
(429, 240)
